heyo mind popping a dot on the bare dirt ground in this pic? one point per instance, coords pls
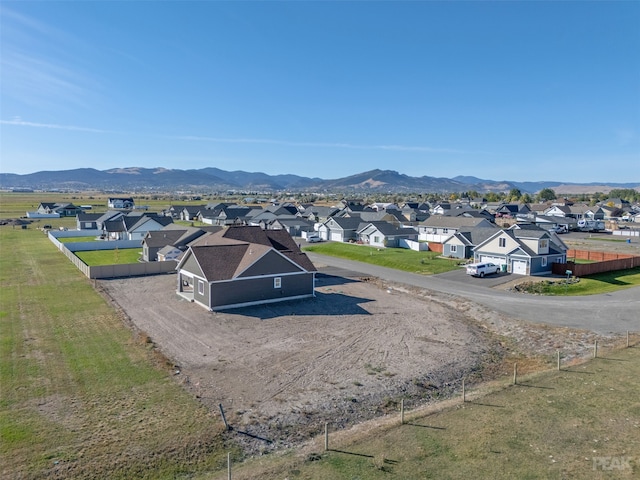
(280, 371)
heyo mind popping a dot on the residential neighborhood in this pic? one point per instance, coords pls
(522, 239)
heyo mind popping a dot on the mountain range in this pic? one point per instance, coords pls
(213, 179)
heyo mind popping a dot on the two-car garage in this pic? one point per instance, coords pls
(492, 259)
(517, 266)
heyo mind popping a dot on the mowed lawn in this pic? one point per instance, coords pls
(80, 396)
(427, 263)
(593, 284)
(117, 256)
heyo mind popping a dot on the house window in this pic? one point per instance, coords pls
(543, 244)
(502, 242)
(277, 282)
(544, 261)
(453, 248)
(200, 287)
(376, 239)
(445, 230)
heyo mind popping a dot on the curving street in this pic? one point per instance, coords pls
(607, 313)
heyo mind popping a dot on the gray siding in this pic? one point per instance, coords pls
(461, 251)
(203, 299)
(271, 262)
(192, 266)
(249, 290)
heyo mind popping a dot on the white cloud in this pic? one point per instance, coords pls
(39, 63)
(404, 148)
(21, 123)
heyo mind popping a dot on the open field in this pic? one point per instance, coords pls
(81, 396)
(426, 263)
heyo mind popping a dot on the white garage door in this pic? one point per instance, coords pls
(519, 267)
(496, 260)
(336, 237)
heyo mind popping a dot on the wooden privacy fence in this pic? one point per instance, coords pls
(603, 262)
(436, 247)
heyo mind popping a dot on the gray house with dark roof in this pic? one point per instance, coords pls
(526, 250)
(340, 229)
(383, 234)
(243, 266)
(87, 221)
(461, 243)
(177, 237)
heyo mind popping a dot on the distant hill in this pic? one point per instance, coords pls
(211, 179)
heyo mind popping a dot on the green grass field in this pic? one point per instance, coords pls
(593, 284)
(427, 263)
(82, 397)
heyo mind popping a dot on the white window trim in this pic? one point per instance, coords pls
(200, 287)
(277, 282)
(544, 261)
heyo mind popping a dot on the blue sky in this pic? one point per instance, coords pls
(498, 90)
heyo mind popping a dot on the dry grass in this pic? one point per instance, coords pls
(550, 425)
(81, 396)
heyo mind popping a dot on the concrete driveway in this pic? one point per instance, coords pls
(460, 275)
(608, 313)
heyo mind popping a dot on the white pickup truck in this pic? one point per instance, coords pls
(482, 269)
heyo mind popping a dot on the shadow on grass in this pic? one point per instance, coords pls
(386, 460)
(254, 436)
(612, 359)
(566, 370)
(484, 404)
(424, 426)
(534, 386)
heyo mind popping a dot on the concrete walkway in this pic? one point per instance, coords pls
(607, 313)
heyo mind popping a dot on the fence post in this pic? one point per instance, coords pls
(326, 436)
(463, 392)
(228, 465)
(558, 355)
(627, 338)
(224, 418)
(595, 349)
(515, 373)
(402, 411)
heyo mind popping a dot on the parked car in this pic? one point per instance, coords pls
(482, 269)
(313, 239)
(559, 229)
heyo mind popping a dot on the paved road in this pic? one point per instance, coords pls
(607, 313)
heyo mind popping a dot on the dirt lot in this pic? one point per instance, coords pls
(350, 354)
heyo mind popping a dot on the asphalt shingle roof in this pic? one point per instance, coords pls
(230, 259)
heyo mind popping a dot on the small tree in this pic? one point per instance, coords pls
(545, 195)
